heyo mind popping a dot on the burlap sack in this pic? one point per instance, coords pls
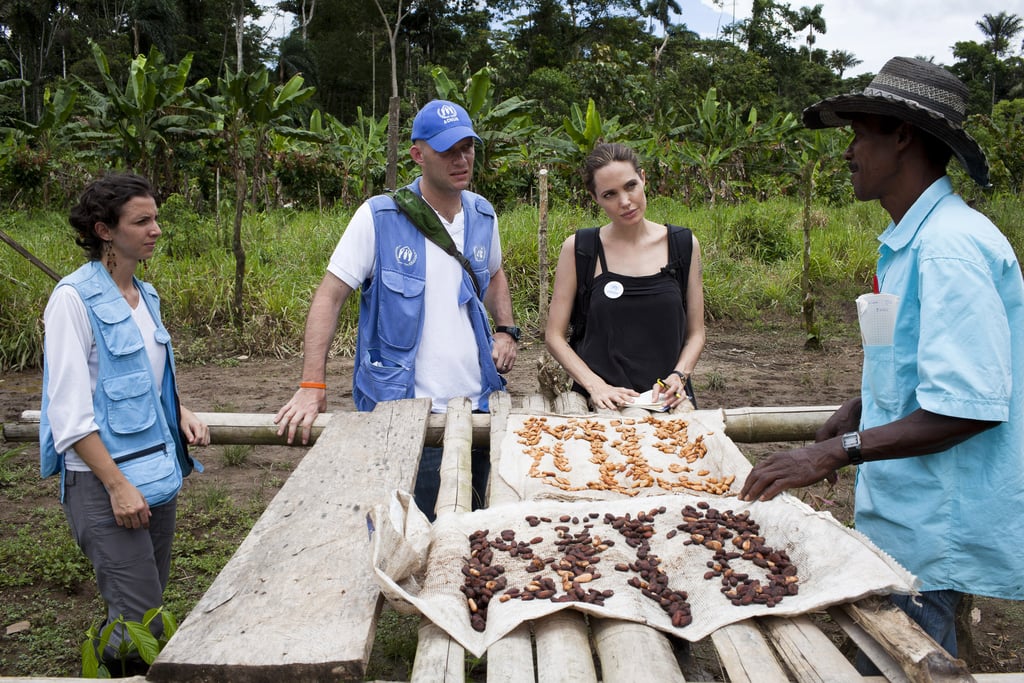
(607, 458)
(834, 564)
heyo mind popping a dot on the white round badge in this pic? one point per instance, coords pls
(613, 290)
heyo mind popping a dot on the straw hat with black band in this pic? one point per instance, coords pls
(918, 92)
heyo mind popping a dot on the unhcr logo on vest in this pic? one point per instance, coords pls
(405, 255)
(479, 253)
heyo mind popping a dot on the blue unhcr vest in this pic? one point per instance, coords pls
(138, 426)
(391, 304)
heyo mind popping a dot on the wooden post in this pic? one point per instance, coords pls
(542, 251)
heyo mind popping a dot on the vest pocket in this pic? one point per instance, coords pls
(401, 309)
(381, 379)
(154, 474)
(120, 334)
(130, 404)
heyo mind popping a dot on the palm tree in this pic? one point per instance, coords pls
(661, 10)
(810, 18)
(841, 60)
(999, 30)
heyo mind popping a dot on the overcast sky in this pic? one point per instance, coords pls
(874, 30)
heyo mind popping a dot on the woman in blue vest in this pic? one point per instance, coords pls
(111, 425)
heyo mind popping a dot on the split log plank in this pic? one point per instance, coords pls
(808, 652)
(625, 647)
(746, 655)
(920, 657)
(298, 600)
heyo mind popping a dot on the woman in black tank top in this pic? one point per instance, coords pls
(639, 329)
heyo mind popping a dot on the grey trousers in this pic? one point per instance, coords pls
(131, 565)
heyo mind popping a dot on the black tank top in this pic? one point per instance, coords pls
(635, 329)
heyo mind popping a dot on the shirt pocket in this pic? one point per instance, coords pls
(400, 318)
(130, 407)
(120, 333)
(880, 376)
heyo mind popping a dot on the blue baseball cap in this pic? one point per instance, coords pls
(441, 124)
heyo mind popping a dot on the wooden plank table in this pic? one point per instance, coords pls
(298, 600)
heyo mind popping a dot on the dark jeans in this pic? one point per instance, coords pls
(428, 478)
(934, 611)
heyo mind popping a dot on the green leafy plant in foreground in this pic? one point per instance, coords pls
(139, 639)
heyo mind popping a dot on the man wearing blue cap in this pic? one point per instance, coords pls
(423, 315)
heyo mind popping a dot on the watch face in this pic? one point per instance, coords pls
(851, 440)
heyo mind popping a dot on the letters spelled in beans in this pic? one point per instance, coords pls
(572, 573)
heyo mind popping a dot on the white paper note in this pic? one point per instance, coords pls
(877, 314)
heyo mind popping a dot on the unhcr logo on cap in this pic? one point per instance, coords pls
(448, 114)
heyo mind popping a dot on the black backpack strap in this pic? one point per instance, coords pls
(680, 254)
(586, 246)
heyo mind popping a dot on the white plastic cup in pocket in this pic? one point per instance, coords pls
(877, 315)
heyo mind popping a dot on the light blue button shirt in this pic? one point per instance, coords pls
(953, 518)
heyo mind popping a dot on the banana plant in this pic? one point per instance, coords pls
(136, 125)
(504, 126)
(716, 138)
(248, 111)
(361, 149)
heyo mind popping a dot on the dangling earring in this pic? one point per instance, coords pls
(111, 258)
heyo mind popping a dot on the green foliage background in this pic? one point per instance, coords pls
(751, 257)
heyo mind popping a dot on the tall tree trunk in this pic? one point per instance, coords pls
(239, 34)
(813, 340)
(237, 312)
(391, 177)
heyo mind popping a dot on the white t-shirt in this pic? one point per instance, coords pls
(447, 360)
(73, 366)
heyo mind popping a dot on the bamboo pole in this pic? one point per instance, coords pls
(436, 651)
(563, 640)
(742, 425)
(29, 255)
(509, 659)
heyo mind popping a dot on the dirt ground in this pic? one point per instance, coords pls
(740, 367)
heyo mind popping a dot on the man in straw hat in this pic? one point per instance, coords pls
(938, 430)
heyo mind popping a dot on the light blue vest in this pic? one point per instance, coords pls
(137, 425)
(392, 302)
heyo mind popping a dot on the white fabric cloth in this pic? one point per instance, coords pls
(447, 362)
(419, 567)
(73, 366)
